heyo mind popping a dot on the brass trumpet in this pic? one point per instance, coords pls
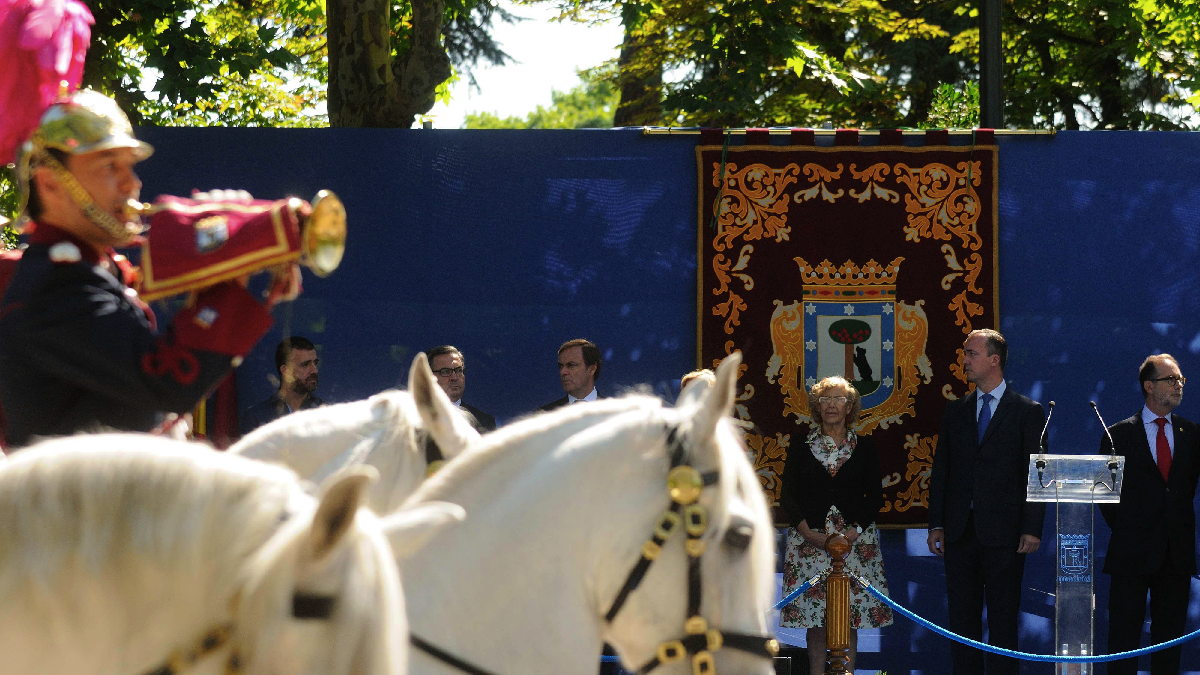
(192, 244)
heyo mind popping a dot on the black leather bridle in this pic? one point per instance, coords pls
(684, 485)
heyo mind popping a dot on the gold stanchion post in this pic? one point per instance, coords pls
(837, 606)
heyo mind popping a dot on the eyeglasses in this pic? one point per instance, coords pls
(447, 372)
(840, 400)
(1172, 380)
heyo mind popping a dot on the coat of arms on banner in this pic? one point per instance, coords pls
(849, 323)
(872, 263)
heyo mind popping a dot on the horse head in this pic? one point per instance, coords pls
(134, 553)
(322, 596)
(699, 587)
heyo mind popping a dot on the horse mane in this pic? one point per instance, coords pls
(513, 436)
(123, 496)
(301, 439)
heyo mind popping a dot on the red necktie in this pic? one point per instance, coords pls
(1164, 448)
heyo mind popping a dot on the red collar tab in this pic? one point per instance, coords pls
(49, 235)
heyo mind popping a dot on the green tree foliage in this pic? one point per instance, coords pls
(954, 109)
(1115, 64)
(590, 105)
(247, 62)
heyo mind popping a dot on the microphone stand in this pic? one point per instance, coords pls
(1112, 462)
(1040, 464)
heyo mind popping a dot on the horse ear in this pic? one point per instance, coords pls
(409, 529)
(449, 429)
(694, 390)
(719, 401)
(341, 496)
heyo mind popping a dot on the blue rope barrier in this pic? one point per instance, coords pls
(798, 592)
(1025, 656)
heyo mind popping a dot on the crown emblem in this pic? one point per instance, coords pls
(849, 282)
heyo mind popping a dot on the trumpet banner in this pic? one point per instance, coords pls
(872, 263)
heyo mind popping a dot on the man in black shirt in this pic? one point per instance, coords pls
(297, 363)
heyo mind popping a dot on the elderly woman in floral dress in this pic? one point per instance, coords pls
(832, 483)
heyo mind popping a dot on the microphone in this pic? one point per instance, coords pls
(1039, 463)
(1046, 427)
(1112, 462)
(1104, 425)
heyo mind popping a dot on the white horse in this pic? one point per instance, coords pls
(124, 554)
(567, 511)
(387, 431)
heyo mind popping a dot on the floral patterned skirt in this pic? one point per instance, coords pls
(803, 560)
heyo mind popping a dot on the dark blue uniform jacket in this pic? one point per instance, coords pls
(78, 349)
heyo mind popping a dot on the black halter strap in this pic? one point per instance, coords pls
(684, 484)
(446, 657)
(312, 606)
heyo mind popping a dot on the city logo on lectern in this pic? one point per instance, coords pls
(1074, 561)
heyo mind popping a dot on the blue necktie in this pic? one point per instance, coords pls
(985, 414)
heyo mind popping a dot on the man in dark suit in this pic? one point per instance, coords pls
(450, 369)
(1154, 525)
(979, 520)
(579, 366)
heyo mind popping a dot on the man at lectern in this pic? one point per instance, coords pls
(979, 521)
(1153, 526)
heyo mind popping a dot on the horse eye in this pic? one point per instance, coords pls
(739, 534)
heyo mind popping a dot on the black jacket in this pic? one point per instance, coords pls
(1152, 512)
(483, 421)
(989, 477)
(808, 490)
(78, 351)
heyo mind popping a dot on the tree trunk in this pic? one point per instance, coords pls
(367, 87)
(639, 75)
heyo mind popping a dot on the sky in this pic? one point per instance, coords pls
(545, 55)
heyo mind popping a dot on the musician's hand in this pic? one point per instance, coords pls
(222, 196)
(286, 286)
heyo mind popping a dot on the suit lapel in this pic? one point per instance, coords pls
(1002, 408)
(1145, 456)
(972, 421)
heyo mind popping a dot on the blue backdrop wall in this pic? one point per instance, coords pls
(507, 243)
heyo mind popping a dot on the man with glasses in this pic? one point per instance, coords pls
(979, 521)
(449, 367)
(1152, 548)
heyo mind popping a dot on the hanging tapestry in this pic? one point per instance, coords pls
(872, 263)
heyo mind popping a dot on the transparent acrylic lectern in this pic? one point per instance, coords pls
(1074, 483)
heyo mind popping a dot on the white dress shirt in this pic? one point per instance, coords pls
(1152, 432)
(590, 397)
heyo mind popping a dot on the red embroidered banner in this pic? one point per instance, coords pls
(868, 262)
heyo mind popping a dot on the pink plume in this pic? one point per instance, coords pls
(42, 42)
